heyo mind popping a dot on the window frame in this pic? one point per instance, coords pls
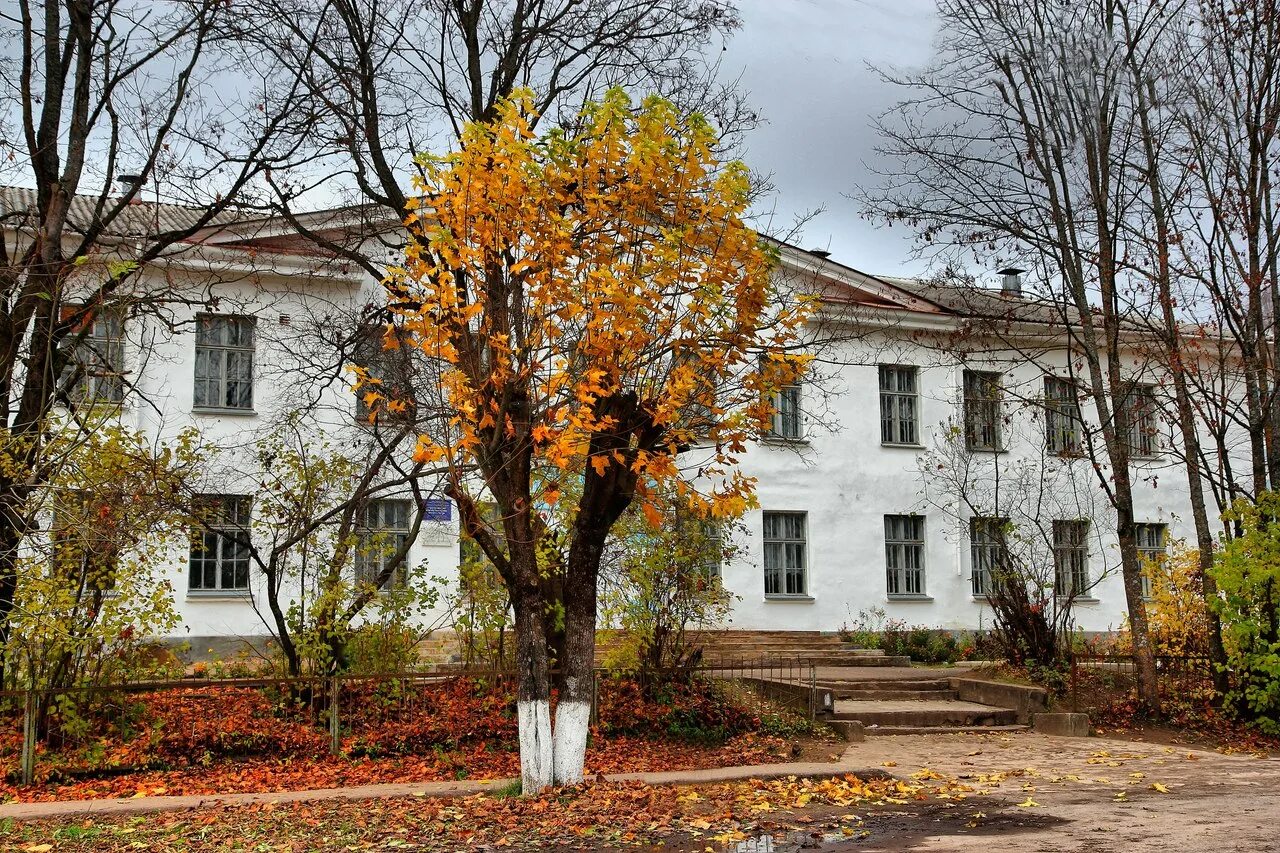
(224, 532)
(223, 353)
(100, 359)
(370, 348)
(1151, 554)
(985, 550)
(787, 422)
(782, 572)
(367, 566)
(903, 535)
(1143, 421)
(1063, 419)
(982, 411)
(1071, 558)
(893, 425)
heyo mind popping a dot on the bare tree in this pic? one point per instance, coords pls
(1020, 143)
(100, 93)
(386, 80)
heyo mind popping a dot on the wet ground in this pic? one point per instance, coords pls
(1033, 793)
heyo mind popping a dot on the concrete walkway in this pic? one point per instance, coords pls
(848, 763)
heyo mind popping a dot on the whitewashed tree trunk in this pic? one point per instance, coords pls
(573, 722)
(536, 745)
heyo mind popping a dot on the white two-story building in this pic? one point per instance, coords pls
(921, 417)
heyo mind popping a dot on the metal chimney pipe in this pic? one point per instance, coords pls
(1011, 283)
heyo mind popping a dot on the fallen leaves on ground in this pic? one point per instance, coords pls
(615, 813)
(619, 754)
(221, 738)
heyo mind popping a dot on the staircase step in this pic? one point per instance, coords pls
(836, 684)
(895, 695)
(885, 731)
(923, 714)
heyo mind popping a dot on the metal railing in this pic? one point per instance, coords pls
(114, 728)
(1177, 676)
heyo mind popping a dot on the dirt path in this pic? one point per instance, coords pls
(1090, 794)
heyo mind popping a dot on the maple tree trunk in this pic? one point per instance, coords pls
(533, 694)
(577, 664)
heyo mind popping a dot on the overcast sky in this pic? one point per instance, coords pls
(804, 64)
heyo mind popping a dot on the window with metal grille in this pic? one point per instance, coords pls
(988, 552)
(981, 410)
(98, 359)
(1071, 558)
(219, 559)
(224, 362)
(1152, 551)
(1063, 425)
(785, 553)
(1139, 420)
(899, 405)
(904, 554)
(381, 535)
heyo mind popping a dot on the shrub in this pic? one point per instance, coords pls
(1248, 575)
(693, 711)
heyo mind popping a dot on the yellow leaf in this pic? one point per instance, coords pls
(1028, 804)
(38, 848)
(1157, 787)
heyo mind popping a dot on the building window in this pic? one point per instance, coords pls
(224, 362)
(83, 554)
(1139, 420)
(786, 413)
(220, 548)
(381, 535)
(1152, 551)
(981, 410)
(1062, 416)
(1070, 558)
(988, 552)
(712, 548)
(899, 405)
(98, 359)
(785, 556)
(392, 372)
(904, 554)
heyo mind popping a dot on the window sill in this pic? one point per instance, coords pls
(896, 445)
(214, 410)
(782, 597)
(218, 595)
(1155, 457)
(908, 597)
(783, 441)
(1079, 599)
(992, 450)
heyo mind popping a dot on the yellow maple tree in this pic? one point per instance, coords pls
(604, 316)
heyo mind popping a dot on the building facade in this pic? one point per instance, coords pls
(875, 487)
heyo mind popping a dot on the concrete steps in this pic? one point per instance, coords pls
(733, 647)
(922, 713)
(886, 731)
(901, 689)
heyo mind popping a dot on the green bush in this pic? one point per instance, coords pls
(872, 630)
(1248, 574)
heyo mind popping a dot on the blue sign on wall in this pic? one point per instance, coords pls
(437, 509)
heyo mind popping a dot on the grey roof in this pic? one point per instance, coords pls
(140, 218)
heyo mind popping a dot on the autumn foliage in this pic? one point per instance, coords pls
(276, 737)
(607, 325)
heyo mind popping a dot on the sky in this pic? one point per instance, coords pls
(804, 65)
